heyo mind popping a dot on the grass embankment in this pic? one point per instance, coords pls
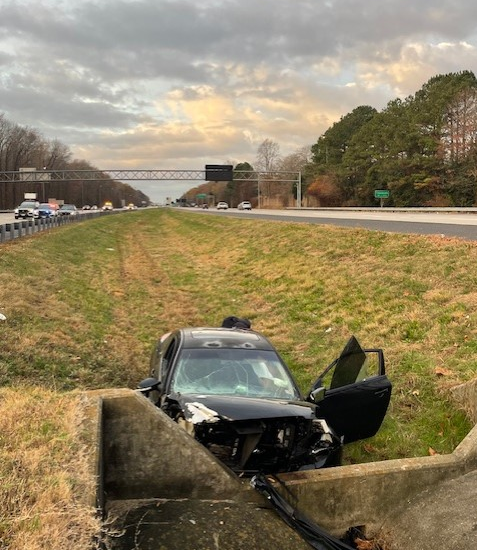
(85, 303)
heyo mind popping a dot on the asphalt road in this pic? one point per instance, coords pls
(10, 218)
(445, 224)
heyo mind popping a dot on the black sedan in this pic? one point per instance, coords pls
(231, 390)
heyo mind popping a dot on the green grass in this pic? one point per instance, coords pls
(85, 304)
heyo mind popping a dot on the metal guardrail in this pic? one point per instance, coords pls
(411, 209)
(23, 228)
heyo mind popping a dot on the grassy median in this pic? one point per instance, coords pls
(85, 303)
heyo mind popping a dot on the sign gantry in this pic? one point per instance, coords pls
(212, 172)
(138, 174)
(101, 175)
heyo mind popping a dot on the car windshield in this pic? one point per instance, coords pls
(238, 371)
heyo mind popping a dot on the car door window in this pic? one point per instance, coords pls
(356, 392)
(167, 357)
(353, 365)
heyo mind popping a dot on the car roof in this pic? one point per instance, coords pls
(208, 337)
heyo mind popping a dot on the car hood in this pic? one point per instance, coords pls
(211, 408)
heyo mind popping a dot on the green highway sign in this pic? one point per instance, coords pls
(381, 194)
(201, 196)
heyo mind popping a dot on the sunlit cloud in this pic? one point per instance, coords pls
(178, 84)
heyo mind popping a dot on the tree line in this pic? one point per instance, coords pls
(421, 149)
(24, 147)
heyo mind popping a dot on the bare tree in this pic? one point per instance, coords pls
(268, 156)
(460, 129)
(58, 155)
(5, 133)
(296, 161)
(23, 147)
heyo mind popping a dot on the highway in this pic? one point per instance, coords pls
(10, 218)
(442, 223)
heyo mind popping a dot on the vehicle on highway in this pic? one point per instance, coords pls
(108, 205)
(222, 205)
(46, 210)
(67, 210)
(230, 389)
(26, 209)
(86, 207)
(245, 205)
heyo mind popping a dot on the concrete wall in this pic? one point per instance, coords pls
(147, 455)
(372, 494)
(158, 488)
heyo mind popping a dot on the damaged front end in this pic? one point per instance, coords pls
(251, 436)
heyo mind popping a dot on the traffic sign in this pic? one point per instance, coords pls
(381, 194)
(219, 172)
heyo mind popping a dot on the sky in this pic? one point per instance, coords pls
(177, 84)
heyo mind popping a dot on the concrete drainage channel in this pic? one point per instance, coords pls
(158, 488)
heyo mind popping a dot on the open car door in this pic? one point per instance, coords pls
(353, 393)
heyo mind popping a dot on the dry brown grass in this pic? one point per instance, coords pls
(44, 473)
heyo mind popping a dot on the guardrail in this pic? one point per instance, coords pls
(23, 228)
(432, 209)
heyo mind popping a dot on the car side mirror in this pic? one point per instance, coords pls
(148, 385)
(318, 394)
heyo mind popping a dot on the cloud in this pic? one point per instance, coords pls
(181, 83)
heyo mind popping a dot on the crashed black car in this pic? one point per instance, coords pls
(231, 390)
